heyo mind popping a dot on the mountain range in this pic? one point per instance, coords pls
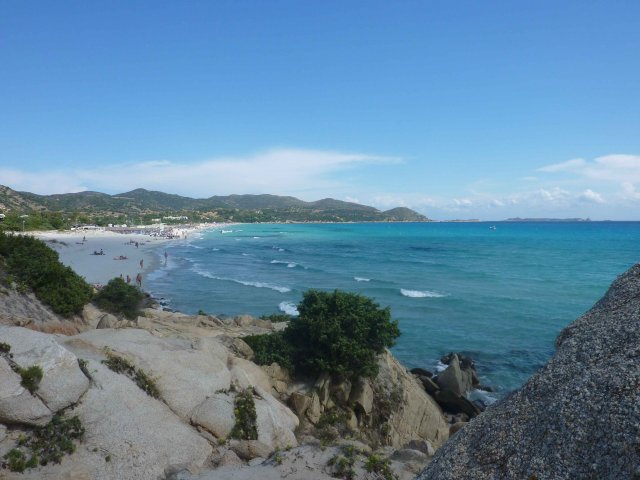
(245, 208)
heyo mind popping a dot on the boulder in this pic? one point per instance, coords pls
(107, 321)
(421, 372)
(91, 315)
(63, 383)
(276, 423)
(244, 320)
(454, 378)
(409, 455)
(361, 396)
(423, 446)
(237, 346)
(340, 391)
(229, 459)
(577, 417)
(315, 409)
(454, 403)
(215, 414)
(185, 377)
(245, 374)
(249, 449)
(300, 403)
(429, 385)
(17, 405)
(455, 427)
(414, 415)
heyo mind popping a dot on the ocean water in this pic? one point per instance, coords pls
(501, 295)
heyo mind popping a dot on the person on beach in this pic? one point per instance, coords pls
(128, 279)
(165, 258)
(141, 263)
(139, 280)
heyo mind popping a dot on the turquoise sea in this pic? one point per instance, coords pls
(501, 295)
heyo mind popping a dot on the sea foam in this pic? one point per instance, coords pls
(361, 279)
(288, 264)
(206, 274)
(420, 293)
(289, 308)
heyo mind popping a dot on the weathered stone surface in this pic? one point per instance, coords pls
(17, 405)
(229, 459)
(107, 321)
(237, 346)
(276, 423)
(315, 408)
(244, 320)
(409, 455)
(63, 382)
(454, 403)
(248, 449)
(429, 385)
(456, 427)
(340, 391)
(454, 378)
(185, 377)
(423, 446)
(300, 403)
(245, 374)
(415, 415)
(142, 437)
(576, 418)
(361, 395)
(215, 414)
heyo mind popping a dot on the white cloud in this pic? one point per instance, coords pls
(568, 166)
(629, 191)
(590, 196)
(616, 168)
(286, 171)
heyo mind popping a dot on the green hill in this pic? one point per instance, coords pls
(143, 206)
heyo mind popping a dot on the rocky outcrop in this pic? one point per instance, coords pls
(576, 417)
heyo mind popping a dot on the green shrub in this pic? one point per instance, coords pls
(34, 266)
(269, 348)
(121, 365)
(276, 317)
(31, 377)
(46, 444)
(244, 410)
(340, 333)
(381, 466)
(118, 297)
(5, 348)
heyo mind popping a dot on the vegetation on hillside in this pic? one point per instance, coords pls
(336, 332)
(142, 206)
(33, 266)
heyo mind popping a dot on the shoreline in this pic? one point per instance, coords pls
(124, 252)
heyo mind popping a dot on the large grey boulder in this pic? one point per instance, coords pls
(456, 379)
(215, 414)
(276, 423)
(414, 414)
(576, 418)
(17, 405)
(142, 438)
(184, 376)
(63, 383)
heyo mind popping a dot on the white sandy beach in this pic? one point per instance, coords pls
(99, 269)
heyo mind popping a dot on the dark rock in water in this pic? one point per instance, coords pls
(429, 385)
(455, 403)
(421, 372)
(576, 418)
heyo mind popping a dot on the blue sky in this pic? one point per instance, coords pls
(458, 109)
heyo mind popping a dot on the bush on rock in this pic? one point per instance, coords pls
(119, 298)
(339, 333)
